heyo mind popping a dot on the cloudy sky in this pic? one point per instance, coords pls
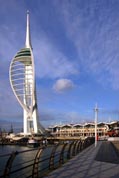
(76, 53)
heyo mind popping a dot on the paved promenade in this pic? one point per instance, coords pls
(99, 162)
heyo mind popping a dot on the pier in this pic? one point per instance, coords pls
(101, 161)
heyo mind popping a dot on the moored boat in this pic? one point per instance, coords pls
(33, 143)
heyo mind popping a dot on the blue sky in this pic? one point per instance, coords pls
(76, 53)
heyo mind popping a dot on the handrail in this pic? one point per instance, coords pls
(40, 164)
(61, 161)
(51, 162)
(69, 150)
(9, 164)
(78, 146)
(74, 148)
(35, 165)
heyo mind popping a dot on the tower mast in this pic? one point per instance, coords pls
(28, 36)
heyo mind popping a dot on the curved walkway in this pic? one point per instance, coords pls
(91, 163)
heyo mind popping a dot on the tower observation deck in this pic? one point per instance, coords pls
(22, 80)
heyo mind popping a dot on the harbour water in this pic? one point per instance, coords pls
(5, 149)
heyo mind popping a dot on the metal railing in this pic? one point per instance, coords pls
(38, 162)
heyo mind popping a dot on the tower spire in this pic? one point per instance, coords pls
(28, 36)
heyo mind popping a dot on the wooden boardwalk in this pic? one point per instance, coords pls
(99, 162)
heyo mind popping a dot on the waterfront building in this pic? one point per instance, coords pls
(84, 130)
(22, 80)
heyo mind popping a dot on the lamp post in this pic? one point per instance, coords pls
(96, 119)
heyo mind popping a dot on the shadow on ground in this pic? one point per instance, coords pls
(107, 153)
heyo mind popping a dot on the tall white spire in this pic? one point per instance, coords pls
(28, 36)
(22, 80)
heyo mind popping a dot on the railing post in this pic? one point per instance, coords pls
(51, 162)
(35, 165)
(69, 150)
(9, 164)
(61, 161)
(83, 144)
(78, 146)
(74, 148)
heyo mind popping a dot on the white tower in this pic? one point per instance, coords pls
(22, 80)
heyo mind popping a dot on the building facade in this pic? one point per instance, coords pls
(80, 130)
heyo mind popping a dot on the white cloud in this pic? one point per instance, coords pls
(63, 85)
